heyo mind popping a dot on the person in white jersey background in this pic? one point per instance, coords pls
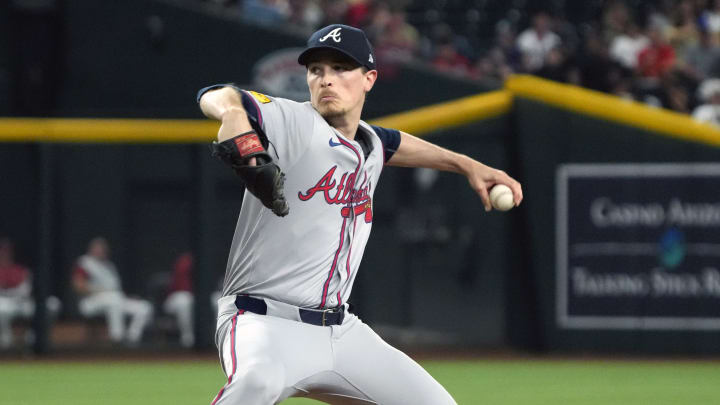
(284, 328)
(16, 300)
(97, 282)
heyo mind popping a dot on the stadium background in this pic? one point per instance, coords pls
(102, 137)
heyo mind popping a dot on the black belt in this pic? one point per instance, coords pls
(327, 317)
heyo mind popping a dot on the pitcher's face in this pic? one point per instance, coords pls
(337, 84)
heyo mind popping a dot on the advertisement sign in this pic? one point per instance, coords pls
(638, 246)
(279, 74)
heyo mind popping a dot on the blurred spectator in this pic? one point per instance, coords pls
(306, 14)
(599, 45)
(626, 47)
(16, 300)
(675, 93)
(95, 279)
(400, 35)
(709, 111)
(485, 68)
(658, 57)
(216, 295)
(703, 59)
(710, 18)
(378, 23)
(568, 33)
(536, 42)
(334, 11)
(266, 12)
(448, 60)
(180, 299)
(597, 70)
(658, 15)
(615, 20)
(558, 68)
(684, 32)
(623, 89)
(221, 2)
(504, 55)
(357, 13)
(395, 41)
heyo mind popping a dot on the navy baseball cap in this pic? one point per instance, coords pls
(345, 39)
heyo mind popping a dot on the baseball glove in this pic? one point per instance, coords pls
(265, 180)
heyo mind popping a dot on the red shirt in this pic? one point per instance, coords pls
(357, 14)
(12, 276)
(656, 60)
(182, 274)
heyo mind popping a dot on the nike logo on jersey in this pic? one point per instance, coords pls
(333, 144)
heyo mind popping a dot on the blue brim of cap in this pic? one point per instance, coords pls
(305, 55)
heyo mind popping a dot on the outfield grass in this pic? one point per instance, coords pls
(472, 382)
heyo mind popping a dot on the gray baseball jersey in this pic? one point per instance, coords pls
(309, 258)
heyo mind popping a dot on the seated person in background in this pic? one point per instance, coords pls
(215, 296)
(15, 293)
(180, 299)
(96, 280)
(709, 110)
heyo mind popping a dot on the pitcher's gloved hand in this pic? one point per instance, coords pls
(264, 180)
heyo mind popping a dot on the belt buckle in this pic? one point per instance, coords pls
(324, 319)
(324, 314)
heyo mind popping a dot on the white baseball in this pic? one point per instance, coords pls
(501, 197)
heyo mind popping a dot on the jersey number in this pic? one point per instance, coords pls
(358, 210)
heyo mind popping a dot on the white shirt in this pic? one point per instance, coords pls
(625, 49)
(709, 113)
(534, 48)
(102, 274)
(712, 20)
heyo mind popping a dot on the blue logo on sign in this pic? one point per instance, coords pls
(333, 144)
(672, 248)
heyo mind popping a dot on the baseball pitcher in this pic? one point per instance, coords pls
(284, 326)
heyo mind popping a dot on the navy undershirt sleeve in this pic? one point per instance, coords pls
(249, 105)
(390, 139)
(213, 87)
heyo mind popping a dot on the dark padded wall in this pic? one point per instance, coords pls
(548, 137)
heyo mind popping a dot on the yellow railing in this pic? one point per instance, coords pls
(449, 114)
(611, 108)
(106, 130)
(419, 121)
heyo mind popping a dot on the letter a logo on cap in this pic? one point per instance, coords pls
(334, 34)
